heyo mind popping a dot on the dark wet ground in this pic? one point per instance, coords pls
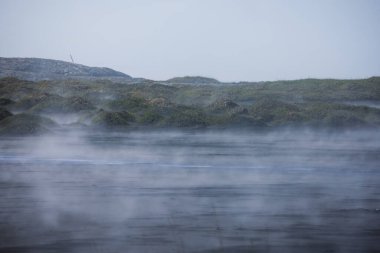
(186, 192)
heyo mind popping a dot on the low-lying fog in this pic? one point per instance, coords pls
(374, 104)
(279, 191)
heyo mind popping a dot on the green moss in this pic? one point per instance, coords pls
(25, 124)
(309, 102)
(32, 99)
(151, 117)
(337, 115)
(274, 112)
(187, 117)
(193, 80)
(128, 103)
(222, 106)
(112, 119)
(59, 104)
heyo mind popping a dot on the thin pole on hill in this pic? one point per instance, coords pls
(71, 57)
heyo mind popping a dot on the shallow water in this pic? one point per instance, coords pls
(284, 191)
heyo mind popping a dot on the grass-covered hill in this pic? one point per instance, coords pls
(193, 80)
(35, 69)
(31, 107)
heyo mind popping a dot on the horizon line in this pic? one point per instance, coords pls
(203, 76)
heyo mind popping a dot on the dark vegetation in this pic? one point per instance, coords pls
(4, 113)
(111, 119)
(188, 102)
(25, 124)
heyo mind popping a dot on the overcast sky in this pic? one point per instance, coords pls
(230, 40)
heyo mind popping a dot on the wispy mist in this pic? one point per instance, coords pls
(191, 192)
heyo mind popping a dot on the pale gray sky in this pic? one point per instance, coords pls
(230, 40)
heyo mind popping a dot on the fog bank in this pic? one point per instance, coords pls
(185, 191)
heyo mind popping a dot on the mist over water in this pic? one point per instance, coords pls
(185, 191)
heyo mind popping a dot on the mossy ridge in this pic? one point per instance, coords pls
(32, 99)
(341, 115)
(26, 124)
(184, 116)
(59, 104)
(119, 119)
(156, 104)
(222, 105)
(131, 103)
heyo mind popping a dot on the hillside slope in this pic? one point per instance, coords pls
(193, 80)
(36, 69)
(103, 104)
